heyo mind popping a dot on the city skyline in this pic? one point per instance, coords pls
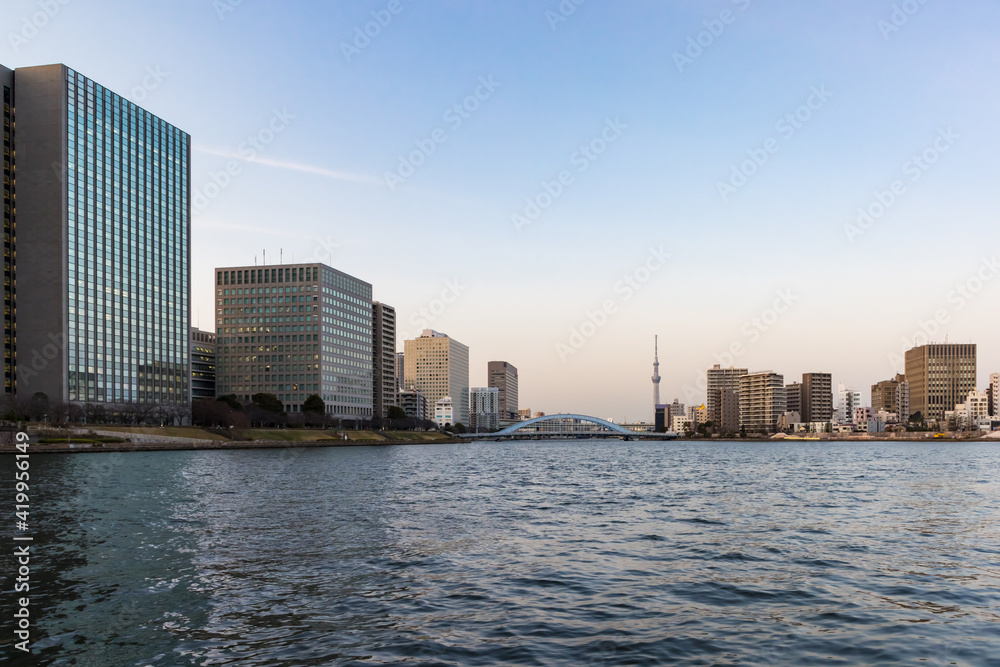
(769, 265)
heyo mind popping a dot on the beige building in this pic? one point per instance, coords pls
(722, 380)
(941, 375)
(762, 401)
(503, 376)
(438, 366)
(885, 394)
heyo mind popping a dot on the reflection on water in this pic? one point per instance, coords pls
(534, 553)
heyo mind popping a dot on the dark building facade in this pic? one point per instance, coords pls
(9, 235)
(817, 397)
(202, 364)
(503, 376)
(383, 359)
(102, 272)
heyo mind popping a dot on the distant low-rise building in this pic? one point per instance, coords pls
(444, 412)
(414, 404)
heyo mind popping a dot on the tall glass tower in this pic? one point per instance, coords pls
(103, 273)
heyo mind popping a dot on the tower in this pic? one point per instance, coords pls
(656, 370)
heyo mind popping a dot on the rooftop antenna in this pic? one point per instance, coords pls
(264, 251)
(281, 255)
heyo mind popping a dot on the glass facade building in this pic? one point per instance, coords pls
(293, 331)
(9, 237)
(105, 210)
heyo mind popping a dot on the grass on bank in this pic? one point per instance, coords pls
(415, 435)
(170, 431)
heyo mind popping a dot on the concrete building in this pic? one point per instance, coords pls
(885, 394)
(524, 413)
(722, 380)
(400, 373)
(103, 245)
(862, 415)
(973, 410)
(793, 398)
(817, 397)
(438, 366)
(940, 377)
(903, 401)
(847, 400)
(414, 404)
(503, 376)
(484, 409)
(202, 364)
(762, 401)
(383, 359)
(444, 412)
(9, 236)
(728, 411)
(293, 330)
(681, 423)
(675, 409)
(994, 394)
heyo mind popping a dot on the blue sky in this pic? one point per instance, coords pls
(673, 130)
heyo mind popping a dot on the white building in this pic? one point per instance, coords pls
(995, 393)
(862, 415)
(444, 412)
(484, 409)
(973, 411)
(847, 400)
(903, 401)
(680, 424)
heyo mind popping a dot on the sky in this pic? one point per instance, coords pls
(804, 187)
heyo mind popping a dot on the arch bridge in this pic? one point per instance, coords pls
(567, 426)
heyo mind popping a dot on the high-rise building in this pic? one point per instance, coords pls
(503, 376)
(414, 404)
(720, 380)
(400, 385)
(994, 395)
(102, 270)
(9, 236)
(438, 366)
(762, 400)
(484, 409)
(728, 411)
(941, 375)
(383, 359)
(793, 398)
(294, 330)
(202, 364)
(884, 395)
(817, 397)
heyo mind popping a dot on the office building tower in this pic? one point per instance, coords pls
(793, 398)
(720, 380)
(817, 397)
(9, 236)
(414, 404)
(503, 376)
(102, 272)
(202, 364)
(484, 409)
(762, 401)
(994, 395)
(438, 366)
(383, 359)
(294, 330)
(903, 411)
(941, 375)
